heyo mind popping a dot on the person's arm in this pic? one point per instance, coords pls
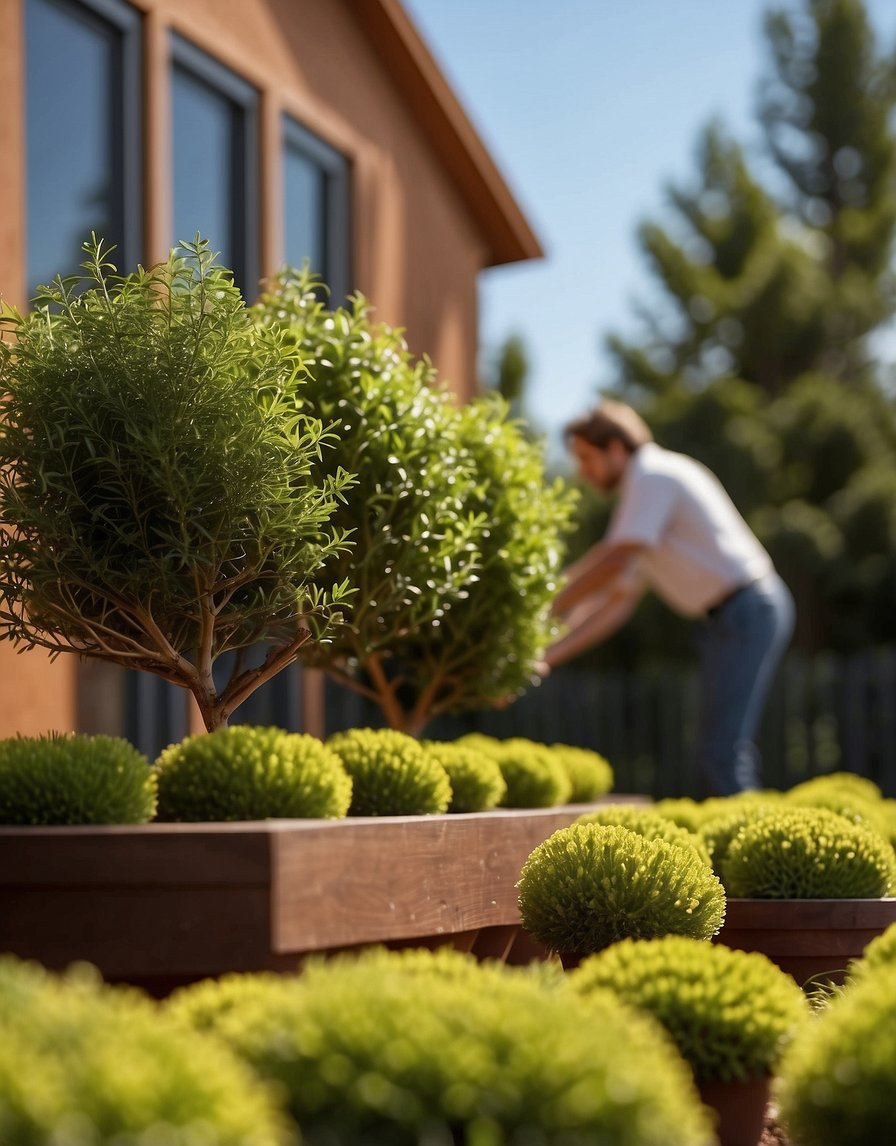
(590, 622)
(604, 567)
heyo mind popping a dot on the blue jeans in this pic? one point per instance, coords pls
(741, 644)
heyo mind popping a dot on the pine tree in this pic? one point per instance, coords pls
(759, 364)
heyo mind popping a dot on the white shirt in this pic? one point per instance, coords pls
(698, 547)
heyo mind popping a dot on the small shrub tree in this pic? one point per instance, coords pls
(160, 500)
(458, 537)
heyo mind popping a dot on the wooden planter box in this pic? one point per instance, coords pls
(807, 937)
(163, 904)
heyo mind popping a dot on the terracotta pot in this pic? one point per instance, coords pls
(740, 1109)
(811, 939)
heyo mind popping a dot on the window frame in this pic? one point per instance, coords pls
(126, 116)
(189, 58)
(336, 169)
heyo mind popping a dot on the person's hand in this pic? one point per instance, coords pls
(540, 670)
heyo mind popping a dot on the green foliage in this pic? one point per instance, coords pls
(758, 360)
(451, 516)
(840, 784)
(533, 774)
(648, 823)
(880, 952)
(156, 488)
(717, 831)
(835, 1084)
(74, 779)
(808, 853)
(589, 885)
(485, 649)
(476, 780)
(392, 774)
(730, 1013)
(590, 774)
(248, 773)
(680, 810)
(396, 1049)
(81, 1063)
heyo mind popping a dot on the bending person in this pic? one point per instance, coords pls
(676, 531)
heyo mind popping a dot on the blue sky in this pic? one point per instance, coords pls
(589, 107)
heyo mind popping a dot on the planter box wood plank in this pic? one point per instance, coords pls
(807, 937)
(163, 904)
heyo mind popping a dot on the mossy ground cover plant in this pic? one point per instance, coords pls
(880, 952)
(74, 779)
(159, 500)
(808, 853)
(391, 773)
(249, 773)
(648, 823)
(836, 1082)
(476, 780)
(535, 775)
(81, 1063)
(397, 1049)
(730, 1013)
(590, 774)
(590, 885)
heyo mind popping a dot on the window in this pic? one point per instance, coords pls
(215, 160)
(316, 207)
(83, 139)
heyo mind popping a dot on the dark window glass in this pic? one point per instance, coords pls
(214, 165)
(305, 216)
(316, 207)
(82, 133)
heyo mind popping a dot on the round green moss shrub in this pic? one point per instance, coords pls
(74, 779)
(680, 810)
(84, 1065)
(836, 1081)
(476, 780)
(808, 853)
(590, 774)
(730, 1013)
(719, 830)
(401, 1049)
(535, 778)
(646, 822)
(392, 774)
(589, 885)
(888, 820)
(880, 952)
(248, 773)
(844, 784)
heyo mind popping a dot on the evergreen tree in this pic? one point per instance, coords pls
(759, 363)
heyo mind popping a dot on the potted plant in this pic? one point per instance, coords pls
(590, 885)
(809, 888)
(730, 1013)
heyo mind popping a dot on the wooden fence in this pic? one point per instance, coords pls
(823, 714)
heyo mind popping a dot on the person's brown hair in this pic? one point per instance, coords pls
(609, 420)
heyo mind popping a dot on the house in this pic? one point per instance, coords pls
(280, 129)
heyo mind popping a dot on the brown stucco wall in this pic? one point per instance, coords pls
(416, 246)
